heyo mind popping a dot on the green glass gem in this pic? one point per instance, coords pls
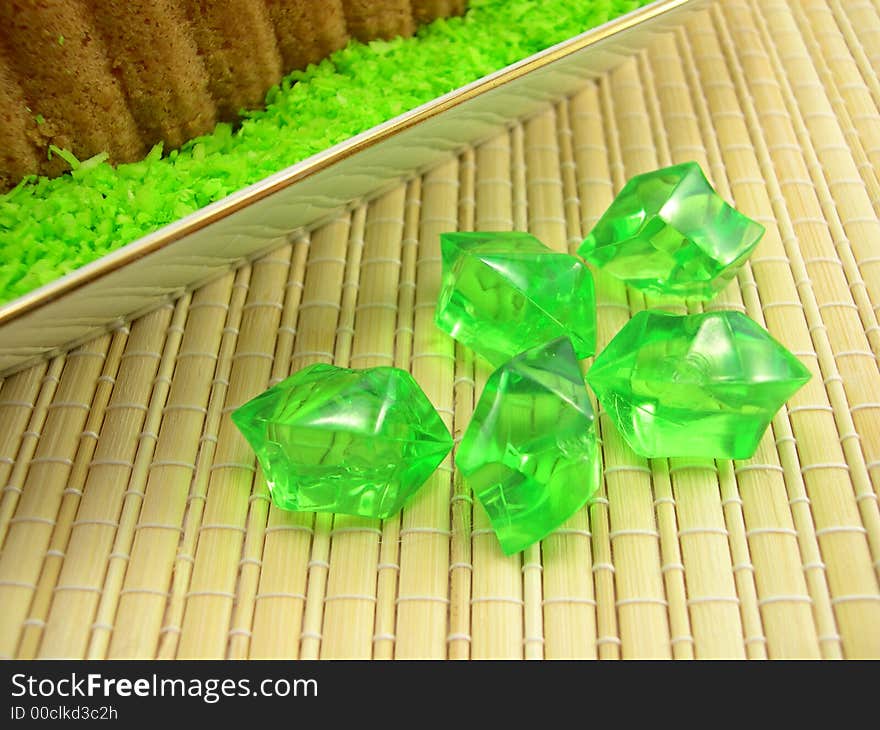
(700, 385)
(530, 452)
(503, 293)
(669, 232)
(331, 439)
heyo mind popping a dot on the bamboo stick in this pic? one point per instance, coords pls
(567, 599)
(642, 124)
(210, 594)
(92, 533)
(497, 621)
(133, 497)
(569, 603)
(850, 83)
(859, 22)
(530, 186)
(827, 481)
(149, 558)
(33, 625)
(319, 565)
(250, 564)
(635, 538)
(713, 602)
(856, 363)
(709, 155)
(275, 618)
(595, 193)
(831, 197)
(384, 634)
(28, 441)
(423, 586)
(19, 396)
(30, 529)
(374, 263)
(461, 501)
(842, 191)
(772, 536)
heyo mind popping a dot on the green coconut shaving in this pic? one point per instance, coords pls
(49, 227)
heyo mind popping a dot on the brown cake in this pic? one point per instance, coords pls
(94, 76)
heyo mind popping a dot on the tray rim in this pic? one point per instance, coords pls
(182, 256)
(168, 234)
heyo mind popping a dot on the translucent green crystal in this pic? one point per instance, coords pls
(701, 385)
(503, 293)
(669, 232)
(331, 439)
(530, 452)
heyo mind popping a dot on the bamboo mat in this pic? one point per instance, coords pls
(133, 522)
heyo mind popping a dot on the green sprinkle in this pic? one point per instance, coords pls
(40, 119)
(67, 222)
(85, 166)
(61, 40)
(65, 155)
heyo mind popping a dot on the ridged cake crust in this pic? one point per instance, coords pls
(18, 154)
(94, 76)
(63, 69)
(425, 11)
(364, 23)
(236, 42)
(307, 31)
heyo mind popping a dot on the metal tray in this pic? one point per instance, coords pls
(190, 252)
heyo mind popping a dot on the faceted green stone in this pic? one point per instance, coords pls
(701, 385)
(503, 293)
(670, 233)
(530, 452)
(331, 439)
